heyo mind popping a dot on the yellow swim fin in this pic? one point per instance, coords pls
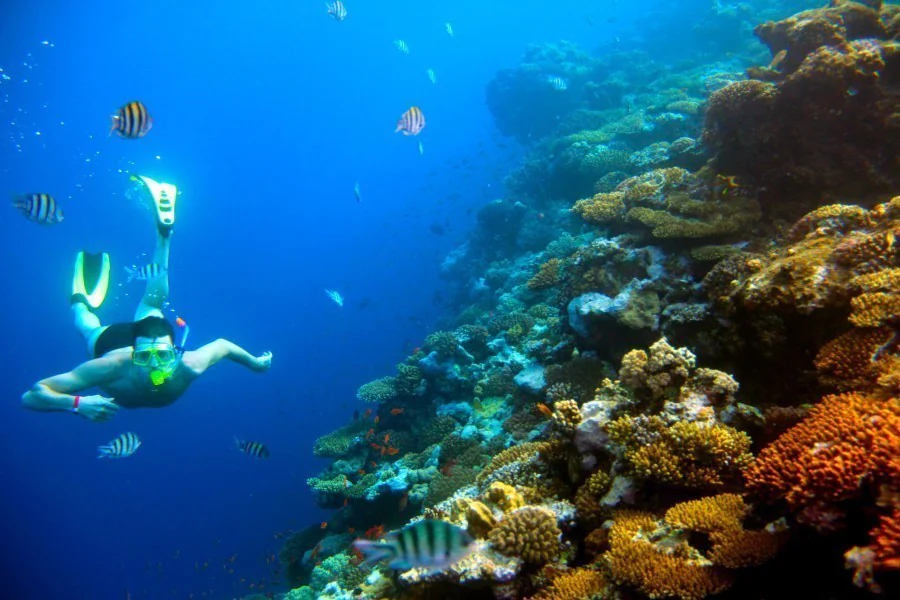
(90, 282)
(164, 198)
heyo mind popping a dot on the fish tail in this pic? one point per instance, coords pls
(132, 273)
(373, 551)
(239, 444)
(104, 452)
(114, 125)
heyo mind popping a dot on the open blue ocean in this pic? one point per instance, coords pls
(276, 122)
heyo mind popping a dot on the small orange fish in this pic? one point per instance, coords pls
(396, 411)
(416, 350)
(392, 451)
(360, 472)
(368, 413)
(376, 419)
(387, 438)
(373, 464)
(350, 530)
(404, 501)
(323, 525)
(346, 501)
(374, 446)
(544, 409)
(383, 450)
(370, 433)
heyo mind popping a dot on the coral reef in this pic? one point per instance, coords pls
(529, 533)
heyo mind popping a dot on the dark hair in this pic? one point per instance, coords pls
(152, 327)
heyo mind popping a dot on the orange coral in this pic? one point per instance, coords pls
(846, 361)
(847, 441)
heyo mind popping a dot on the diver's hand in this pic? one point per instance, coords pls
(262, 363)
(97, 408)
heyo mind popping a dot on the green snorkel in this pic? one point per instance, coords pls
(160, 375)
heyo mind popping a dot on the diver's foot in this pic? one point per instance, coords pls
(76, 298)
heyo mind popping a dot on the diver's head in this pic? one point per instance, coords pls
(154, 348)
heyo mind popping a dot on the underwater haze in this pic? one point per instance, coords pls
(265, 115)
(308, 227)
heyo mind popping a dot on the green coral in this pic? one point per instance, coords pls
(338, 568)
(338, 444)
(380, 390)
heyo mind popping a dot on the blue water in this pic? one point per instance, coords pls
(265, 114)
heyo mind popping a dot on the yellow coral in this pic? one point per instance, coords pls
(579, 584)
(633, 559)
(547, 276)
(530, 533)
(690, 454)
(875, 309)
(480, 520)
(566, 416)
(504, 496)
(587, 498)
(720, 516)
(601, 208)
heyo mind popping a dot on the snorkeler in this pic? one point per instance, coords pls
(136, 364)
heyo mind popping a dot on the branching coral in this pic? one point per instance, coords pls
(847, 443)
(566, 417)
(338, 443)
(548, 275)
(530, 533)
(663, 371)
(587, 498)
(689, 454)
(504, 496)
(515, 454)
(579, 584)
(848, 361)
(635, 560)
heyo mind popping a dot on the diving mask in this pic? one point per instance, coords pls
(163, 353)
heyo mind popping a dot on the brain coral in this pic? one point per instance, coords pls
(530, 533)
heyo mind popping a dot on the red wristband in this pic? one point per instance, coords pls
(75, 404)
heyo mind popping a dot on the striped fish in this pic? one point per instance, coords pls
(431, 75)
(254, 449)
(337, 10)
(401, 46)
(132, 121)
(145, 273)
(122, 447)
(411, 122)
(429, 544)
(557, 83)
(40, 208)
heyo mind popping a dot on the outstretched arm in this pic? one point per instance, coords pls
(59, 393)
(203, 358)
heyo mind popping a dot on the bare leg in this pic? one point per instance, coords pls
(158, 287)
(88, 325)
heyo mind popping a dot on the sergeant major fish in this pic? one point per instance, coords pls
(40, 208)
(145, 273)
(132, 121)
(429, 544)
(402, 46)
(337, 10)
(255, 449)
(122, 447)
(411, 122)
